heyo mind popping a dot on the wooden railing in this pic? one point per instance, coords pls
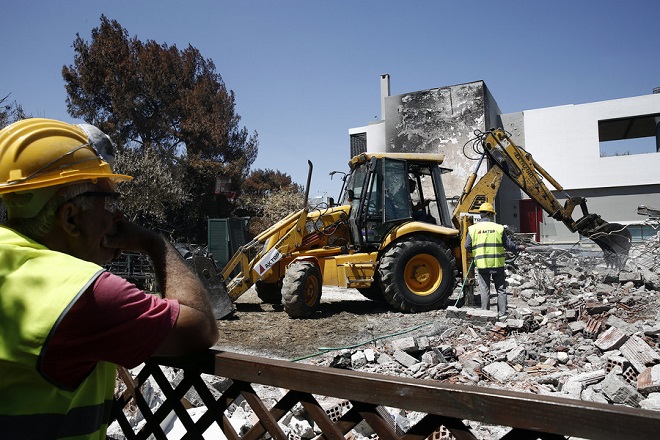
(445, 407)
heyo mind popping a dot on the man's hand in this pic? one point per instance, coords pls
(131, 237)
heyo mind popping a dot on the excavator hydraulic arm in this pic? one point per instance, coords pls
(519, 165)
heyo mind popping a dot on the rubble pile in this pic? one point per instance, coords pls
(575, 329)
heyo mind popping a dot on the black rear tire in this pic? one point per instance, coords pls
(418, 273)
(372, 292)
(269, 293)
(301, 289)
(375, 291)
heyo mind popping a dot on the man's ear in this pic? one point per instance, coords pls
(68, 218)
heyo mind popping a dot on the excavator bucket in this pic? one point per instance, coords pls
(614, 239)
(220, 301)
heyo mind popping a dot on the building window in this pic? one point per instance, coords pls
(630, 135)
(358, 144)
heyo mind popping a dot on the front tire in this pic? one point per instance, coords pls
(418, 273)
(301, 289)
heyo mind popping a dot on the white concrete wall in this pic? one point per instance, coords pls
(375, 136)
(564, 141)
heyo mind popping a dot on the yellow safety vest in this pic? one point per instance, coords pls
(37, 287)
(487, 246)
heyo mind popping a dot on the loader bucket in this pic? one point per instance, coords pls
(220, 301)
(614, 239)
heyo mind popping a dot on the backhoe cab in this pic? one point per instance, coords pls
(387, 190)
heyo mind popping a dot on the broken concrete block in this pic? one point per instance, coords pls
(576, 327)
(423, 343)
(611, 339)
(615, 321)
(592, 329)
(301, 428)
(409, 345)
(517, 355)
(499, 371)
(571, 314)
(651, 402)
(652, 330)
(589, 377)
(384, 359)
(481, 316)
(573, 389)
(370, 354)
(505, 345)
(614, 360)
(455, 312)
(527, 294)
(534, 302)
(528, 285)
(417, 369)
(597, 308)
(648, 380)
(631, 277)
(358, 360)
(639, 354)
(514, 324)
(651, 280)
(432, 357)
(524, 312)
(404, 358)
(630, 375)
(620, 392)
(610, 277)
(590, 395)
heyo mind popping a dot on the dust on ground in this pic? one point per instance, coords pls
(344, 319)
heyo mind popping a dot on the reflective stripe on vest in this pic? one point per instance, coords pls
(487, 246)
(79, 422)
(38, 287)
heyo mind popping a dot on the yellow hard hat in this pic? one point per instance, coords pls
(487, 207)
(40, 153)
(37, 153)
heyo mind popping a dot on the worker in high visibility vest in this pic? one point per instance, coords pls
(65, 322)
(488, 242)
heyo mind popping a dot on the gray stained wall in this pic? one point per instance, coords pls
(442, 120)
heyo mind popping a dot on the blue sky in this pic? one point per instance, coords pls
(304, 72)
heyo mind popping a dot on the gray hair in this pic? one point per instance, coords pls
(38, 226)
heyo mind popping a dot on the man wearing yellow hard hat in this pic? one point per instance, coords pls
(65, 323)
(488, 241)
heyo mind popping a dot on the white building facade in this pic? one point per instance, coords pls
(605, 151)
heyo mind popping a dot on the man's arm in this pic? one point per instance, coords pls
(468, 241)
(196, 328)
(510, 245)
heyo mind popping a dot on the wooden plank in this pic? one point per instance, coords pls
(538, 413)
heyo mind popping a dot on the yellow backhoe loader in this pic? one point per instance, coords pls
(392, 236)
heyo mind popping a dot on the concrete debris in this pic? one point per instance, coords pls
(576, 329)
(648, 380)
